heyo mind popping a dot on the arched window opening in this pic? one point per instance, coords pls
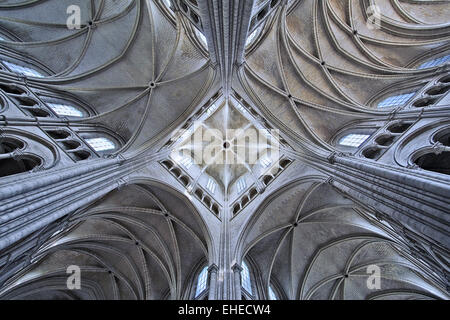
(101, 144)
(73, 147)
(13, 162)
(439, 163)
(199, 193)
(215, 209)
(12, 89)
(11, 166)
(272, 295)
(399, 127)
(425, 102)
(8, 145)
(396, 101)
(207, 201)
(184, 6)
(385, 140)
(443, 137)
(267, 179)
(202, 282)
(435, 62)
(65, 110)
(438, 90)
(80, 155)
(245, 276)
(26, 102)
(70, 144)
(262, 14)
(195, 17)
(58, 134)
(353, 140)
(184, 180)
(26, 71)
(372, 153)
(445, 79)
(176, 172)
(253, 193)
(244, 202)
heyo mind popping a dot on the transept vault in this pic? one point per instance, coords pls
(235, 149)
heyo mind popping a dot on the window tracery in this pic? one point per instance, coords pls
(16, 156)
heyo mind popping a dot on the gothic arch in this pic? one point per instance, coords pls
(296, 228)
(142, 241)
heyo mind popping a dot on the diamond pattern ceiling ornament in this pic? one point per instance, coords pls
(227, 143)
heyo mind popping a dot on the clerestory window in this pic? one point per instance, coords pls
(396, 101)
(246, 281)
(101, 144)
(353, 140)
(65, 110)
(26, 71)
(202, 281)
(435, 62)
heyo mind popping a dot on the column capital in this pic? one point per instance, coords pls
(236, 268)
(213, 268)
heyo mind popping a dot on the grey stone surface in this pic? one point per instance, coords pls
(141, 225)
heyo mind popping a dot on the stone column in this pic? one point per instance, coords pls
(225, 25)
(237, 269)
(418, 200)
(212, 270)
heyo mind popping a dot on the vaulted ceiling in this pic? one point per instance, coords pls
(138, 69)
(319, 65)
(314, 68)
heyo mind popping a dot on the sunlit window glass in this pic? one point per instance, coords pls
(201, 281)
(65, 110)
(101, 144)
(22, 70)
(353, 140)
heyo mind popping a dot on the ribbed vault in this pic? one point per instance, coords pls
(136, 67)
(142, 241)
(319, 65)
(307, 246)
(310, 230)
